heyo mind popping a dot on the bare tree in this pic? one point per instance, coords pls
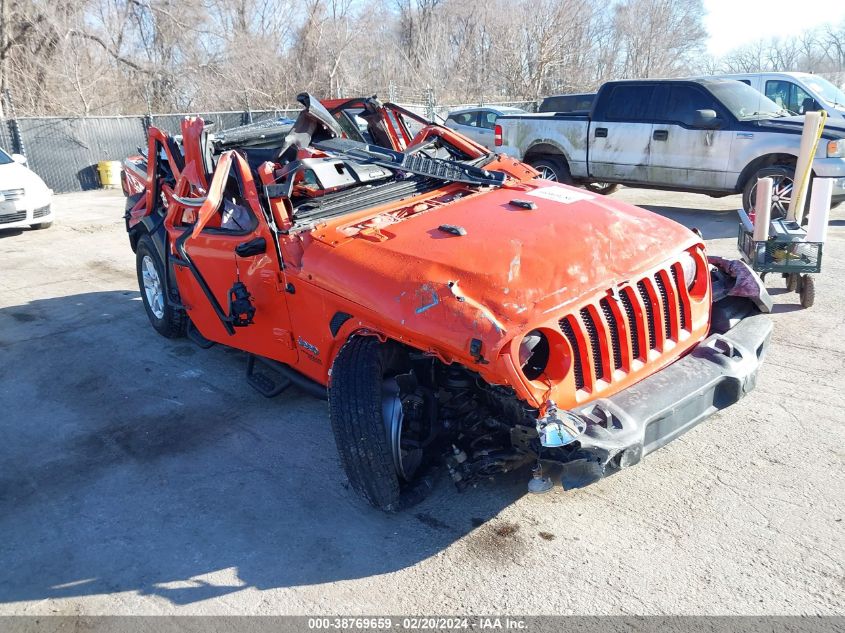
(130, 56)
(658, 37)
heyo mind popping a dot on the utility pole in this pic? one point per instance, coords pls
(16, 129)
(4, 50)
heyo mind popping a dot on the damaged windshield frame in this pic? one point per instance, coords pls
(385, 174)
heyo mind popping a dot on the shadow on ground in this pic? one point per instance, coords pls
(129, 462)
(712, 224)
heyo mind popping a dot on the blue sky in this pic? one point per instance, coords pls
(732, 23)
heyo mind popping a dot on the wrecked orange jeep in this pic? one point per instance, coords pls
(456, 311)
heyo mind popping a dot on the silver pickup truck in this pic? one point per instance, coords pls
(710, 136)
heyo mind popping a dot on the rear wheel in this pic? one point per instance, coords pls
(168, 320)
(379, 444)
(552, 169)
(792, 282)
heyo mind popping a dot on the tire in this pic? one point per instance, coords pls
(792, 282)
(42, 225)
(552, 169)
(166, 319)
(808, 291)
(355, 411)
(783, 177)
(602, 188)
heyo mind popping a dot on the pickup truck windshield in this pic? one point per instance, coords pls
(745, 103)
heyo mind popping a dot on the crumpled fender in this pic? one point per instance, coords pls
(735, 278)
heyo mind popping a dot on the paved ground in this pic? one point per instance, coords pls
(141, 475)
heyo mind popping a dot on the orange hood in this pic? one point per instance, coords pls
(513, 268)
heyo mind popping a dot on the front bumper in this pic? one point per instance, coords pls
(832, 168)
(15, 217)
(623, 428)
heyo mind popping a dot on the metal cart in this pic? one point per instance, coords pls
(787, 253)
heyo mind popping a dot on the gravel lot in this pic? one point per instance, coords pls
(142, 475)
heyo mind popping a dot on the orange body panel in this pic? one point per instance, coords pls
(467, 299)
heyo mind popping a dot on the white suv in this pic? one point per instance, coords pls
(24, 198)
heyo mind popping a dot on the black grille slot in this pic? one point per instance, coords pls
(13, 217)
(682, 309)
(40, 212)
(633, 324)
(577, 368)
(664, 299)
(593, 333)
(613, 329)
(649, 314)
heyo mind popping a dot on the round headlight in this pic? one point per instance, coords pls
(534, 354)
(689, 267)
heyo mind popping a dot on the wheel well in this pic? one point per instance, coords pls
(545, 150)
(139, 229)
(135, 234)
(768, 160)
(394, 352)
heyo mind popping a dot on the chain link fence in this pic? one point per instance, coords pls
(65, 151)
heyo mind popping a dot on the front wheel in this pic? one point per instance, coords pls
(379, 444)
(783, 183)
(167, 319)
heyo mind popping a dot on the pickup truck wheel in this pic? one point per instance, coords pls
(603, 188)
(551, 169)
(782, 185)
(167, 320)
(367, 420)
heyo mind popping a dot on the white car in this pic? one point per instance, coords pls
(479, 123)
(24, 198)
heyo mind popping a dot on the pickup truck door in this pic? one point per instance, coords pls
(682, 153)
(620, 133)
(205, 241)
